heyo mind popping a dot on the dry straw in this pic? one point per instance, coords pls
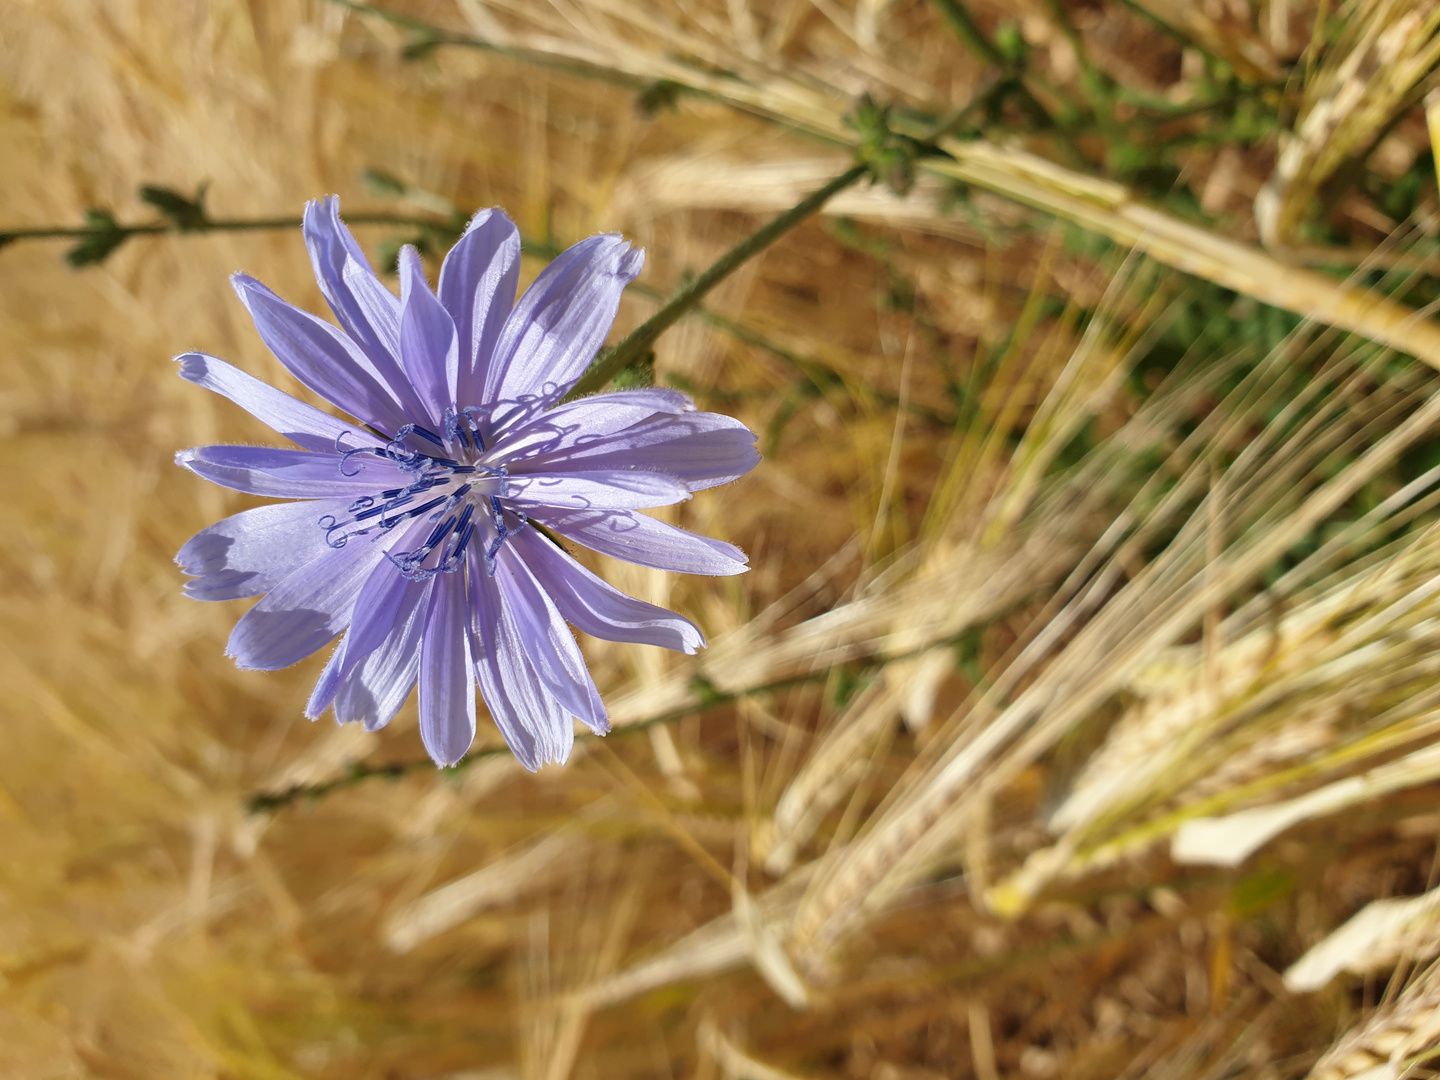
(1077, 716)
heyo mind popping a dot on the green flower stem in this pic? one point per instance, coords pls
(540, 249)
(705, 696)
(82, 232)
(262, 802)
(964, 26)
(958, 18)
(614, 360)
(427, 36)
(79, 232)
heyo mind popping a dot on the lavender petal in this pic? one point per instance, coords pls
(385, 592)
(642, 540)
(613, 489)
(376, 688)
(595, 607)
(251, 552)
(292, 474)
(550, 646)
(329, 682)
(477, 286)
(302, 424)
(561, 320)
(367, 310)
(589, 420)
(700, 450)
(304, 611)
(428, 346)
(377, 610)
(447, 682)
(321, 357)
(533, 724)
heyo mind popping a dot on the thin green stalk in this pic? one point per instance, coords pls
(429, 36)
(963, 24)
(114, 234)
(81, 232)
(958, 18)
(267, 801)
(615, 360)
(1179, 34)
(78, 232)
(539, 248)
(1096, 85)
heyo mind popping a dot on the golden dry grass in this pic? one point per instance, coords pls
(960, 788)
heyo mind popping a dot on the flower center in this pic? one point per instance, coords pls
(449, 485)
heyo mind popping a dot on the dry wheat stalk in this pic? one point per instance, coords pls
(1389, 50)
(734, 1063)
(839, 758)
(720, 945)
(1170, 595)
(1376, 938)
(1216, 28)
(565, 956)
(498, 883)
(1228, 841)
(811, 104)
(1268, 711)
(1384, 1045)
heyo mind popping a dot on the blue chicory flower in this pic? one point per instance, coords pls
(416, 534)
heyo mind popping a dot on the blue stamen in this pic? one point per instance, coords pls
(465, 516)
(438, 533)
(471, 412)
(414, 513)
(348, 454)
(461, 544)
(454, 429)
(376, 511)
(455, 526)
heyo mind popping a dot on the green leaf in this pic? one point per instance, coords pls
(889, 155)
(390, 249)
(705, 690)
(421, 45)
(1254, 893)
(104, 237)
(383, 183)
(637, 375)
(187, 215)
(1011, 43)
(663, 94)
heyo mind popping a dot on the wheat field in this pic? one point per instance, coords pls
(1078, 716)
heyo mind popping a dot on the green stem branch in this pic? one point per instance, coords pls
(120, 233)
(428, 36)
(81, 232)
(614, 360)
(958, 18)
(268, 801)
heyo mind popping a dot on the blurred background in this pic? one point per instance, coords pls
(1077, 717)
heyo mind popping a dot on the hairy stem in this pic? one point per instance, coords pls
(266, 801)
(614, 360)
(82, 232)
(428, 35)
